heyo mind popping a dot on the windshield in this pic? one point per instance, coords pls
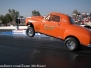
(71, 20)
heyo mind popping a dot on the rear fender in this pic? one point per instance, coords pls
(79, 35)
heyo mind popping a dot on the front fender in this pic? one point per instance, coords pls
(36, 25)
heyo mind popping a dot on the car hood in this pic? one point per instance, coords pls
(37, 17)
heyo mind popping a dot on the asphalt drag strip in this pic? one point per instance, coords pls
(45, 52)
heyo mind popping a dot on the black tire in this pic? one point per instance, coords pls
(72, 44)
(31, 33)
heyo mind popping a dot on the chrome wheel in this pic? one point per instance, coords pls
(71, 45)
(30, 32)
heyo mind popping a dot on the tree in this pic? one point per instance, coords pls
(1, 17)
(75, 12)
(21, 16)
(35, 13)
(9, 17)
(38, 13)
(13, 13)
(5, 18)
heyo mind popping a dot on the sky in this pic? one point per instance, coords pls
(25, 7)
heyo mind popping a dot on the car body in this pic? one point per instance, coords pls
(60, 26)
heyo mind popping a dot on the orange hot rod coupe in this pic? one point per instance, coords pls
(60, 26)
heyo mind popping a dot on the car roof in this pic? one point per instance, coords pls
(59, 14)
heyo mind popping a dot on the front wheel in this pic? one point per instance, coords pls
(71, 44)
(30, 32)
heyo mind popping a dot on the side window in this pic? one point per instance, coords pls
(55, 18)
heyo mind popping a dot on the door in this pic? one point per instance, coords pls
(50, 25)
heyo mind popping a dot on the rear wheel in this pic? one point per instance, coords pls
(30, 32)
(71, 44)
